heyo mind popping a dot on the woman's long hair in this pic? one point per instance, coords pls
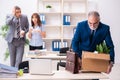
(38, 19)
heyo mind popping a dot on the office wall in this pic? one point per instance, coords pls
(109, 11)
(110, 14)
(27, 6)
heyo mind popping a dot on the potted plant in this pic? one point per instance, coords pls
(3, 32)
(48, 8)
(97, 62)
(102, 48)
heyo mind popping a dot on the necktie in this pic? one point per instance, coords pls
(18, 29)
(91, 36)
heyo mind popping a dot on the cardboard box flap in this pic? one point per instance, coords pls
(91, 55)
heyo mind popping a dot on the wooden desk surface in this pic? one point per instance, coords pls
(49, 55)
(61, 75)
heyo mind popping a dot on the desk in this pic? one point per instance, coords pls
(49, 55)
(61, 75)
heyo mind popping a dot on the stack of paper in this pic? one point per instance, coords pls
(8, 71)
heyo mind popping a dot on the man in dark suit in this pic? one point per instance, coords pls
(18, 27)
(90, 33)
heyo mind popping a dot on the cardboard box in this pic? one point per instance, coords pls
(95, 62)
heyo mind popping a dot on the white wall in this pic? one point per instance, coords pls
(27, 6)
(110, 14)
(109, 11)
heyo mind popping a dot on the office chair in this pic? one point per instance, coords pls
(62, 52)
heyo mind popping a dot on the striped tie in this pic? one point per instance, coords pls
(18, 29)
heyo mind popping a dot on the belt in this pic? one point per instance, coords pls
(18, 38)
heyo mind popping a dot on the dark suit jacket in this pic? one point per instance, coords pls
(81, 40)
(11, 21)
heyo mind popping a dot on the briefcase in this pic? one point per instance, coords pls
(72, 62)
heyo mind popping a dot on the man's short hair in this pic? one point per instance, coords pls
(17, 8)
(93, 13)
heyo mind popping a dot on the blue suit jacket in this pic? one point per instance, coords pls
(81, 40)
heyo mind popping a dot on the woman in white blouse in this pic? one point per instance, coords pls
(36, 33)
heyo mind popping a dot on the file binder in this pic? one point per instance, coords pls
(44, 45)
(56, 45)
(66, 19)
(65, 44)
(42, 18)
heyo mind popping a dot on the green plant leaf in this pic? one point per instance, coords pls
(97, 48)
(6, 54)
(27, 42)
(3, 32)
(48, 6)
(102, 48)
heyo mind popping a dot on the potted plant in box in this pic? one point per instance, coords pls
(102, 48)
(96, 62)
